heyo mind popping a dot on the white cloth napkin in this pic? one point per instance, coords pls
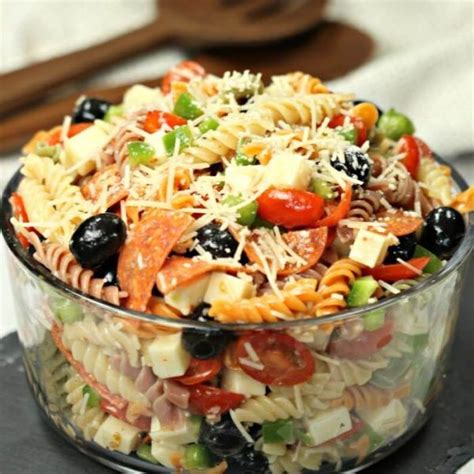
(423, 64)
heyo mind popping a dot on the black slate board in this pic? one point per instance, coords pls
(29, 445)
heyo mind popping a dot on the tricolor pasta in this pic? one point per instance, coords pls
(220, 201)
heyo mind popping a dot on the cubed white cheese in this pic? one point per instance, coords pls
(386, 420)
(243, 179)
(166, 356)
(189, 433)
(411, 321)
(227, 287)
(138, 96)
(170, 455)
(186, 298)
(288, 170)
(369, 248)
(117, 435)
(84, 148)
(328, 424)
(239, 382)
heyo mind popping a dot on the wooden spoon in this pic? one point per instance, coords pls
(186, 22)
(329, 51)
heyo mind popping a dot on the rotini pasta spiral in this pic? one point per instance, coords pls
(335, 285)
(88, 420)
(397, 186)
(297, 298)
(364, 205)
(437, 180)
(267, 408)
(107, 334)
(54, 204)
(61, 263)
(302, 83)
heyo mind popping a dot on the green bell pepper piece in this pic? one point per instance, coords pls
(280, 431)
(393, 125)
(247, 214)
(183, 134)
(113, 111)
(241, 159)
(48, 151)
(349, 134)
(186, 107)
(66, 311)
(434, 264)
(207, 124)
(361, 291)
(197, 456)
(374, 320)
(322, 188)
(93, 399)
(144, 452)
(140, 153)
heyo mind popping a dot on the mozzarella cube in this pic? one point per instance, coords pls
(189, 433)
(369, 248)
(139, 95)
(84, 148)
(117, 435)
(186, 298)
(243, 179)
(239, 382)
(166, 356)
(228, 287)
(170, 455)
(387, 420)
(328, 424)
(288, 170)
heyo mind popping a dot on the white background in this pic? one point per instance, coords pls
(423, 64)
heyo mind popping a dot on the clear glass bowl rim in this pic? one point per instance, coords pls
(27, 261)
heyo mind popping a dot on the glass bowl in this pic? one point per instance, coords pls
(355, 410)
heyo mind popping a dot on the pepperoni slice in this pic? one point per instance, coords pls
(145, 252)
(398, 223)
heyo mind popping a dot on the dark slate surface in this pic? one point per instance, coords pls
(28, 445)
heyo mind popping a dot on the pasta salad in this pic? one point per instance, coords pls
(222, 200)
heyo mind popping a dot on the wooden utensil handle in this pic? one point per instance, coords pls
(26, 85)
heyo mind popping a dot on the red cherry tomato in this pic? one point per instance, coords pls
(359, 125)
(408, 145)
(290, 207)
(397, 271)
(205, 400)
(184, 72)
(340, 211)
(285, 360)
(423, 148)
(19, 211)
(155, 119)
(200, 371)
(143, 423)
(366, 344)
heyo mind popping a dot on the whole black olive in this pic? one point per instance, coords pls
(219, 243)
(108, 271)
(404, 249)
(361, 101)
(90, 109)
(222, 438)
(248, 461)
(356, 164)
(97, 239)
(443, 229)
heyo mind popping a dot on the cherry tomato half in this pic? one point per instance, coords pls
(397, 271)
(155, 119)
(340, 211)
(285, 360)
(205, 399)
(364, 345)
(290, 207)
(184, 72)
(200, 371)
(423, 148)
(408, 145)
(143, 423)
